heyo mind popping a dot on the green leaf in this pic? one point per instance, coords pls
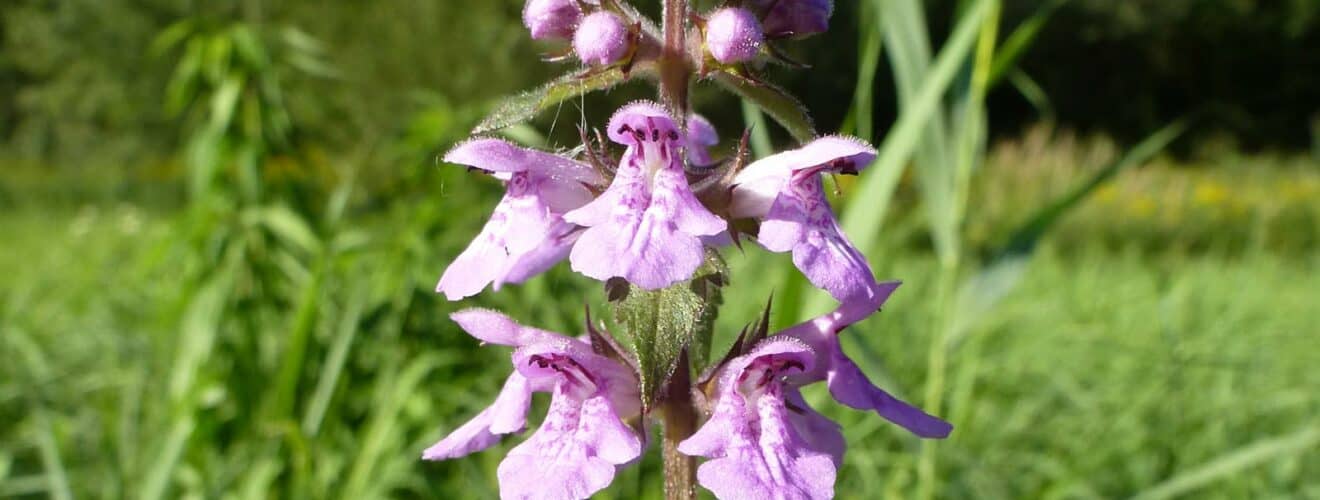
(522, 107)
(1020, 40)
(774, 101)
(662, 323)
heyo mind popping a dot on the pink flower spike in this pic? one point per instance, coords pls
(646, 226)
(526, 234)
(785, 192)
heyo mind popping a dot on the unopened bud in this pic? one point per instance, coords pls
(551, 19)
(601, 39)
(733, 35)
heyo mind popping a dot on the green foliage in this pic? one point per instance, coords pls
(525, 106)
(661, 324)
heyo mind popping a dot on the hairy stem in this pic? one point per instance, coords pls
(680, 421)
(675, 73)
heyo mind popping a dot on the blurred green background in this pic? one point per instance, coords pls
(223, 220)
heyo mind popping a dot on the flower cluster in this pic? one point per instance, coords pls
(645, 210)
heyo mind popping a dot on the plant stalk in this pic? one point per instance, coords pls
(675, 73)
(680, 421)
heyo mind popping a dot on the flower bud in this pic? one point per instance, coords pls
(795, 18)
(733, 35)
(601, 39)
(551, 19)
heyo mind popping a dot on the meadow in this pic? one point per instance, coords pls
(1162, 365)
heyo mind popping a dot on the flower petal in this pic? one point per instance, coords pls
(646, 226)
(701, 135)
(820, 433)
(556, 246)
(757, 186)
(495, 155)
(525, 233)
(850, 386)
(573, 455)
(497, 328)
(506, 415)
(801, 221)
(756, 453)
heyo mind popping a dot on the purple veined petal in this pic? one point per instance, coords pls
(572, 363)
(495, 155)
(801, 221)
(575, 452)
(637, 117)
(553, 249)
(701, 136)
(757, 186)
(756, 453)
(481, 263)
(647, 225)
(496, 328)
(820, 433)
(523, 234)
(673, 200)
(834, 153)
(508, 414)
(850, 386)
(640, 242)
(754, 440)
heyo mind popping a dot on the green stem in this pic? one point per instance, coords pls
(680, 421)
(675, 73)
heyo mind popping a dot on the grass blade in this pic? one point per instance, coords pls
(863, 218)
(57, 479)
(334, 365)
(1248, 456)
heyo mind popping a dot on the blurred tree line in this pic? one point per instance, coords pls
(80, 86)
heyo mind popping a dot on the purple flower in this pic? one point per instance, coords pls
(526, 234)
(794, 18)
(785, 192)
(602, 39)
(733, 35)
(763, 440)
(551, 19)
(701, 135)
(583, 439)
(646, 226)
